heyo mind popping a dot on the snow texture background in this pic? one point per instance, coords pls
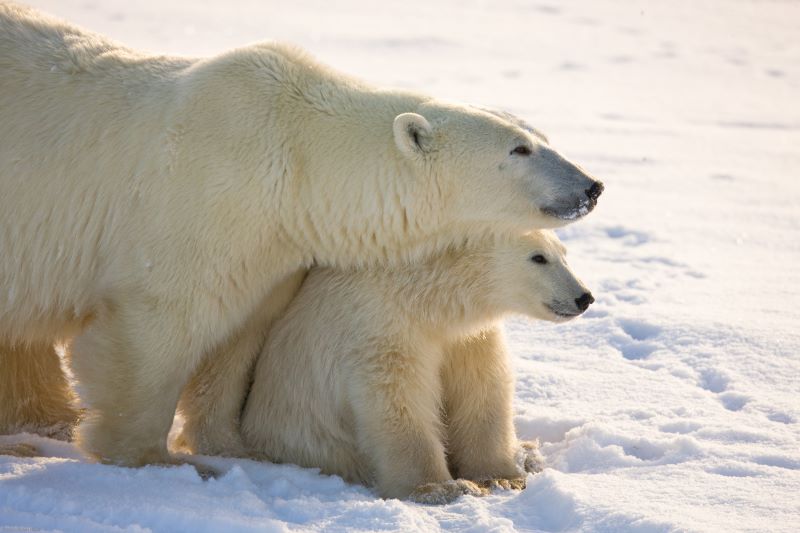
(674, 404)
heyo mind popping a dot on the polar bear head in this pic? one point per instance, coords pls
(492, 166)
(531, 277)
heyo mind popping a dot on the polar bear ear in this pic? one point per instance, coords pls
(412, 133)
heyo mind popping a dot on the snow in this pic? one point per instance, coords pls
(674, 403)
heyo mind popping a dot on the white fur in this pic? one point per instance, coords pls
(355, 377)
(160, 199)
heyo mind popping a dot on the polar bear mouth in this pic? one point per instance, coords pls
(571, 212)
(562, 314)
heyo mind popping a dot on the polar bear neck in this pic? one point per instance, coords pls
(355, 199)
(364, 203)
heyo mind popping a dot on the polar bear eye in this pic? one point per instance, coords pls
(521, 150)
(539, 258)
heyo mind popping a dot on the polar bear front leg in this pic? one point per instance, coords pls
(478, 395)
(396, 408)
(131, 364)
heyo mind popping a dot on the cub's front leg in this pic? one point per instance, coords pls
(214, 398)
(478, 389)
(395, 400)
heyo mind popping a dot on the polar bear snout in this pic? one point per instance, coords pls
(585, 300)
(572, 192)
(564, 310)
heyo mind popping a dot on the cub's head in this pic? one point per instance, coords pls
(493, 167)
(531, 277)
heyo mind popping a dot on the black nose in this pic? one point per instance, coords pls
(584, 301)
(595, 190)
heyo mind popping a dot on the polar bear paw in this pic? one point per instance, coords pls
(445, 491)
(517, 483)
(20, 449)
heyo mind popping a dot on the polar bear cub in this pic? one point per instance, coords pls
(397, 377)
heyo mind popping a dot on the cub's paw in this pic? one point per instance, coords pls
(529, 458)
(505, 484)
(445, 491)
(220, 443)
(205, 471)
(19, 450)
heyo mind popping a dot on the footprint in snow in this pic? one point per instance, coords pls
(634, 350)
(634, 345)
(638, 329)
(628, 236)
(717, 382)
(714, 380)
(777, 461)
(733, 401)
(782, 418)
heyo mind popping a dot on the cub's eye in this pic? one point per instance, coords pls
(521, 150)
(539, 258)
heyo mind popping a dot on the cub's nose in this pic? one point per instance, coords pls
(584, 301)
(595, 190)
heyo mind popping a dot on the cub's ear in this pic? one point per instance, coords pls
(412, 134)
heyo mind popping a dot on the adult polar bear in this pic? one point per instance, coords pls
(152, 206)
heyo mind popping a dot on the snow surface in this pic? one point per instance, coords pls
(674, 404)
